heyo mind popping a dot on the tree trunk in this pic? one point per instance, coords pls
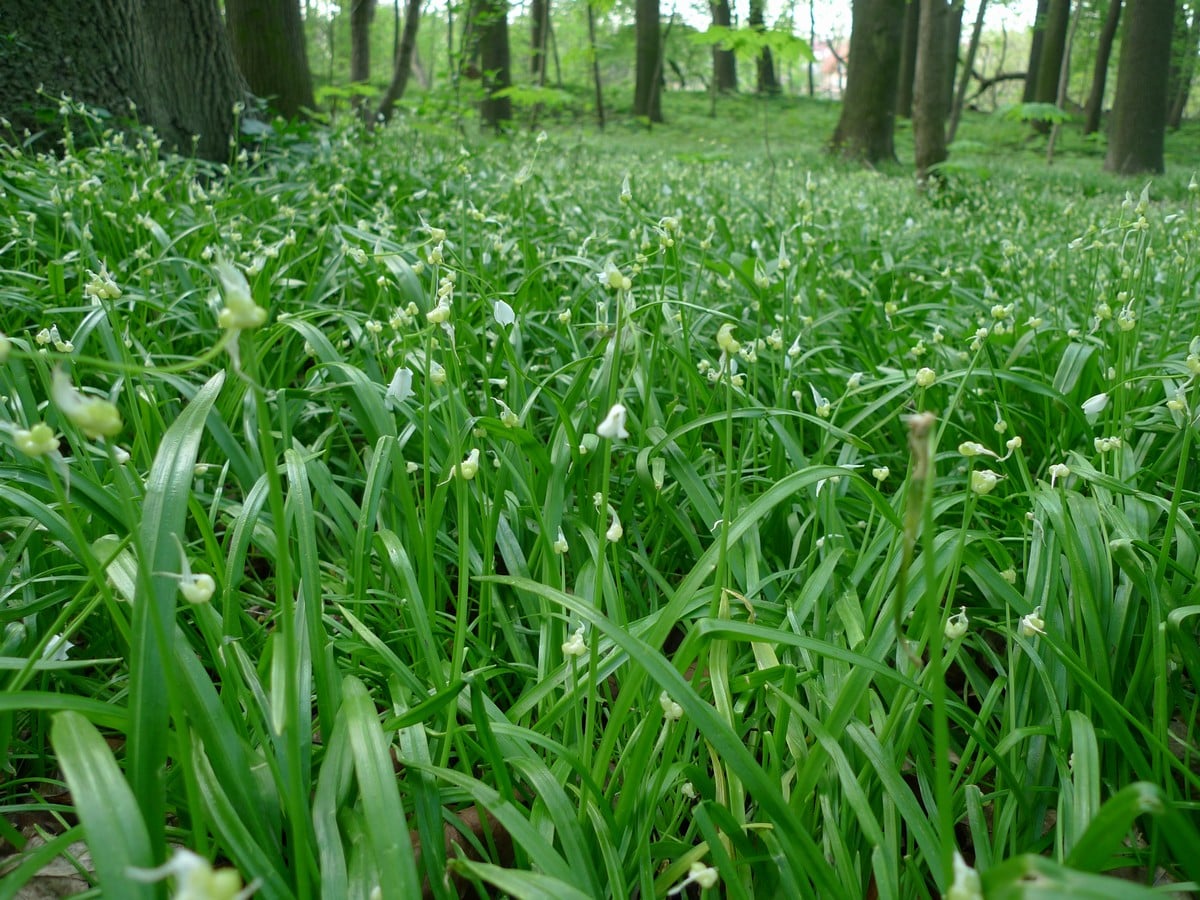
(865, 130)
(1095, 100)
(591, 21)
(767, 82)
(1139, 115)
(403, 61)
(1054, 42)
(954, 19)
(724, 62)
(961, 97)
(164, 64)
(1036, 40)
(908, 59)
(1179, 99)
(931, 87)
(539, 12)
(647, 100)
(812, 42)
(267, 37)
(492, 22)
(361, 14)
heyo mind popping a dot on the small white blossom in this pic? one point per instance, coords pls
(671, 710)
(39, 440)
(1033, 623)
(699, 874)
(613, 426)
(1094, 405)
(195, 878)
(240, 312)
(926, 377)
(400, 388)
(966, 885)
(1057, 471)
(560, 545)
(984, 480)
(575, 644)
(956, 625)
(503, 313)
(880, 473)
(56, 649)
(94, 416)
(615, 531)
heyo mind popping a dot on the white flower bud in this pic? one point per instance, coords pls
(613, 426)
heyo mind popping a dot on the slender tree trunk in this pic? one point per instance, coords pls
(724, 62)
(403, 61)
(494, 62)
(539, 12)
(964, 82)
(930, 89)
(1064, 80)
(908, 59)
(767, 82)
(1036, 40)
(591, 22)
(954, 19)
(1104, 43)
(361, 14)
(647, 101)
(267, 37)
(865, 129)
(1139, 115)
(1054, 42)
(1179, 99)
(812, 43)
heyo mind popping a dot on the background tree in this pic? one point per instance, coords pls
(1183, 63)
(403, 61)
(1036, 40)
(1139, 114)
(1054, 44)
(724, 62)
(1104, 43)
(539, 15)
(767, 82)
(866, 127)
(647, 98)
(491, 20)
(361, 14)
(908, 59)
(267, 37)
(964, 82)
(931, 87)
(954, 20)
(171, 60)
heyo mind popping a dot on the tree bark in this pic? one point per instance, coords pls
(954, 19)
(1139, 115)
(1036, 40)
(931, 87)
(908, 59)
(1054, 42)
(767, 82)
(599, 88)
(267, 37)
(865, 130)
(647, 99)
(724, 62)
(961, 97)
(494, 60)
(163, 64)
(404, 61)
(1095, 100)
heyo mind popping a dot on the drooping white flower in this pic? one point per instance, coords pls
(1094, 405)
(240, 312)
(503, 313)
(575, 645)
(1033, 623)
(726, 341)
(699, 874)
(39, 440)
(56, 649)
(957, 624)
(926, 377)
(966, 885)
(195, 878)
(984, 480)
(1057, 471)
(671, 710)
(615, 530)
(613, 426)
(400, 387)
(560, 545)
(94, 416)
(469, 467)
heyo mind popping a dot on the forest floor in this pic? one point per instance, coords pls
(667, 511)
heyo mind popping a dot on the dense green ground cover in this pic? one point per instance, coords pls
(782, 634)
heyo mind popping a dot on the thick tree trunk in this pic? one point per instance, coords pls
(647, 99)
(724, 62)
(960, 98)
(1095, 100)
(267, 37)
(162, 63)
(1139, 115)
(1036, 40)
(865, 130)
(767, 82)
(1054, 43)
(908, 59)
(404, 61)
(492, 22)
(931, 87)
